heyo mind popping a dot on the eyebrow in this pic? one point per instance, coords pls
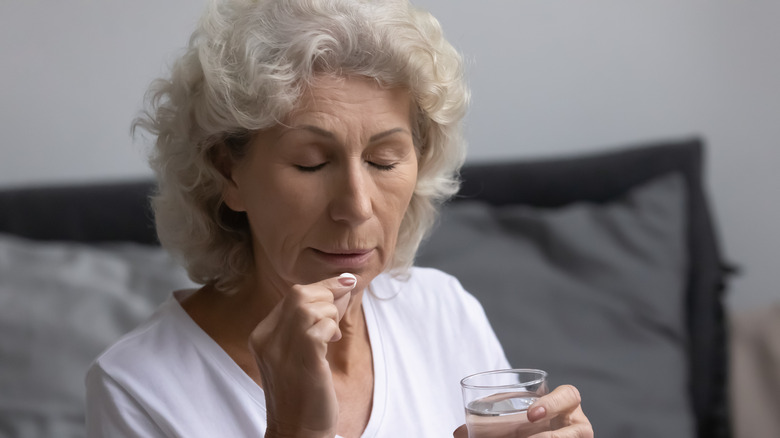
(325, 133)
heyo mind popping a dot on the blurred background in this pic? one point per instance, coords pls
(548, 78)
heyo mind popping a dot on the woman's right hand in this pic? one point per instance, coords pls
(290, 347)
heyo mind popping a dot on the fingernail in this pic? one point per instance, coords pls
(537, 413)
(347, 279)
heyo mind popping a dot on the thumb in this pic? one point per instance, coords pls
(461, 432)
(341, 287)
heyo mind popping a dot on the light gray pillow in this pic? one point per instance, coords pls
(592, 293)
(61, 304)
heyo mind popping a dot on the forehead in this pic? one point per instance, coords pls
(352, 97)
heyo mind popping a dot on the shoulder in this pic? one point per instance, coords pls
(150, 351)
(432, 277)
(427, 291)
(126, 384)
(172, 375)
(430, 314)
(420, 283)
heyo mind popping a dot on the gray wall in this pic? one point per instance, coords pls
(548, 78)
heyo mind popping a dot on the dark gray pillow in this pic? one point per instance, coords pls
(61, 304)
(592, 293)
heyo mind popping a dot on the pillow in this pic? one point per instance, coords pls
(592, 293)
(61, 304)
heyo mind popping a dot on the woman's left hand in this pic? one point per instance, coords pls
(561, 409)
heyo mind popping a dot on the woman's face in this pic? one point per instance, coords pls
(325, 191)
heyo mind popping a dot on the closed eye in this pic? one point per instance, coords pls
(311, 168)
(382, 166)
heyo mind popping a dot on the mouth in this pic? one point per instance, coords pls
(352, 258)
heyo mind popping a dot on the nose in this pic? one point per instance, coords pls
(352, 198)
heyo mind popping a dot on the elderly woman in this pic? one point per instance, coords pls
(302, 149)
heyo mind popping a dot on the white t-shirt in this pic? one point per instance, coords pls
(168, 378)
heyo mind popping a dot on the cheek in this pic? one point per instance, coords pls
(409, 184)
(401, 192)
(285, 195)
(280, 205)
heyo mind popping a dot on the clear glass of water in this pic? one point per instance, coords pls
(497, 402)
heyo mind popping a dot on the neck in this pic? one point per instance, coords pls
(345, 354)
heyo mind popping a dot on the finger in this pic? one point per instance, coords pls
(574, 417)
(312, 313)
(562, 401)
(344, 284)
(461, 432)
(340, 287)
(327, 289)
(300, 315)
(316, 312)
(325, 330)
(574, 431)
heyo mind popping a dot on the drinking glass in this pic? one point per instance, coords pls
(497, 402)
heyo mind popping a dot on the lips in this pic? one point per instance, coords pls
(353, 258)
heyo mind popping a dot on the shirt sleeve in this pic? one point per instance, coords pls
(112, 412)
